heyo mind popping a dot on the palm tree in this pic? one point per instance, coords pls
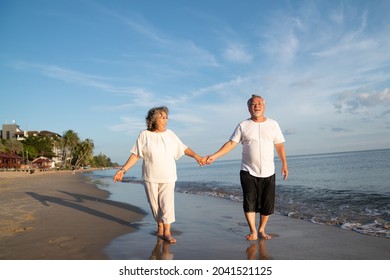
(70, 142)
(84, 151)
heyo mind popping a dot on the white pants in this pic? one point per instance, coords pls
(161, 197)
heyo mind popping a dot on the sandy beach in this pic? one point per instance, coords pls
(57, 215)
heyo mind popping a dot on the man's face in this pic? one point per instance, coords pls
(257, 107)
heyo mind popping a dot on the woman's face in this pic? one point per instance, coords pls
(162, 121)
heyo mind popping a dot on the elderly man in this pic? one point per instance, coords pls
(259, 136)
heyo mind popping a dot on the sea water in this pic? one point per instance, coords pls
(350, 190)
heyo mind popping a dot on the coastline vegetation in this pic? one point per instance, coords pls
(68, 150)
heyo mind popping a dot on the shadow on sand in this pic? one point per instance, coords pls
(81, 198)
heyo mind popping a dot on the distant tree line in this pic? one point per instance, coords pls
(74, 151)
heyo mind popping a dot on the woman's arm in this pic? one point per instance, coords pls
(131, 161)
(201, 160)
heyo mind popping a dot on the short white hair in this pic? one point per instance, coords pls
(251, 99)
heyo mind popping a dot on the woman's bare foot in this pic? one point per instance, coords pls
(168, 238)
(160, 229)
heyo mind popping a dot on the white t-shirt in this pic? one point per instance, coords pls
(159, 152)
(258, 140)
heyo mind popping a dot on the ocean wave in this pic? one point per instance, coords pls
(377, 228)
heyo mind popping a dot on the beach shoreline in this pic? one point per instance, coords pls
(61, 216)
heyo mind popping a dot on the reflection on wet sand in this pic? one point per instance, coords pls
(161, 251)
(257, 250)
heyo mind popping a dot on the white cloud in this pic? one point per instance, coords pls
(88, 80)
(192, 53)
(341, 129)
(188, 118)
(237, 53)
(183, 51)
(129, 126)
(337, 16)
(358, 102)
(223, 87)
(282, 37)
(290, 131)
(115, 108)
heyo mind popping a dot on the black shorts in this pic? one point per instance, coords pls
(258, 193)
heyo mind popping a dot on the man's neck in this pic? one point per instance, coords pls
(258, 119)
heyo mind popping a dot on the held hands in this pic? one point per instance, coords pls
(210, 159)
(201, 160)
(205, 160)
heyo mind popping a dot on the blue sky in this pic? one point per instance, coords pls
(97, 67)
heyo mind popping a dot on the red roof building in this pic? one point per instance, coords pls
(10, 160)
(42, 163)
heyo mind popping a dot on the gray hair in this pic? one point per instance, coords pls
(151, 118)
(249, 102)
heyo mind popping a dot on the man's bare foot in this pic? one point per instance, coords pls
(251, 237)
(251, 252)
(264, 235)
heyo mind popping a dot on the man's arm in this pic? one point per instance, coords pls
(226, 148)
(282, 155)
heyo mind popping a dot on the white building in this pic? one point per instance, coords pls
(13, 131)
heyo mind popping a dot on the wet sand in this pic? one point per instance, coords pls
(208, 228)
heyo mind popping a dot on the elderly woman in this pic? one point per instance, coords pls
(159, 148)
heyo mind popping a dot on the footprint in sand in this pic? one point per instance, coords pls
(21, 229)
(63, 241)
